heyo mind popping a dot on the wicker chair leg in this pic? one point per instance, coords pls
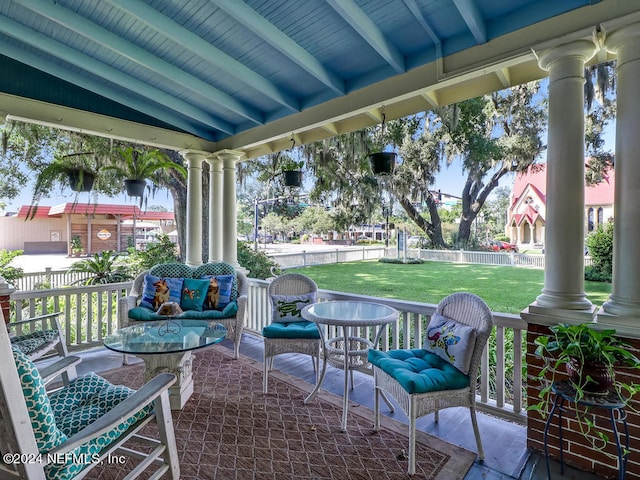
(265, 378)
(412, 439)
(474, 422)
(376, 408)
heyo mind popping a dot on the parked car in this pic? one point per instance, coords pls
(417, 241)
(500, 245)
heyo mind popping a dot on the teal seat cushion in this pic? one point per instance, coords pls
(57, 416)
(419, 371)
(302, 329)
(34, 341)
(146, 314)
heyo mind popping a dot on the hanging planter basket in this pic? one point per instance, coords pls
(382, 163)
(293, 178)
(135, 188)
(81, 180)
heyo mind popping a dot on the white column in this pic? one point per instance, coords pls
(193, 255)
(564, 270)
(216, 202)
(229, 218)
(625, 297)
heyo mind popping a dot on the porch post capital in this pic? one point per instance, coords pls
(580, 50)
(616, 41)
(195, 157)
(227, 154)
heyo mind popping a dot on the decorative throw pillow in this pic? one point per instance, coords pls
(218, 292)
(158, 290)
(287, 308)
(194, 292)
(451, 341)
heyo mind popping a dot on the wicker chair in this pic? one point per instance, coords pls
(290, 337)
(399, 371)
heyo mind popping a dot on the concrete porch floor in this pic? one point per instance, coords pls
(506, 455)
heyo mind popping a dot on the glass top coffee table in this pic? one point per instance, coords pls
(166, 346)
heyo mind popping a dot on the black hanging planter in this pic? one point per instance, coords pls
(382, 163)
(135, 188)
(293, 178)
(81, 180)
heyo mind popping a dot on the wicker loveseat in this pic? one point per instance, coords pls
(136, 308)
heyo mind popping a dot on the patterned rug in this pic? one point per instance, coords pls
(230, 430)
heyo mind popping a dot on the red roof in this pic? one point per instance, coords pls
(600, 194)
(156, 215)
(36, 211)
(126, 211)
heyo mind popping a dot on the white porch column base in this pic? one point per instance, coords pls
(541, 315)
(625, 326)
(229, 217)
(625, 297)
(564, 274)
(193, 254)
(216, 202)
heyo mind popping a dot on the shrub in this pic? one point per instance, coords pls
(257, 262)
(162, 251)
(600, 245)
(408, 261)
(9, 273)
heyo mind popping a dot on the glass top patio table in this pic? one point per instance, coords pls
(348, 351)
(165, 336)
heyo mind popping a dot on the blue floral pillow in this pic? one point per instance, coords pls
(194, 292)
(287, 308)
(218, 292)
(451, 341)
(158, 290)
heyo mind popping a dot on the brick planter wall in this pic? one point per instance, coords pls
(578, 452)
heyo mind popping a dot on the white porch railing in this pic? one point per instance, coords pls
(90, 313)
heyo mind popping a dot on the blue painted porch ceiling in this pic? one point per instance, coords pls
(214, 68)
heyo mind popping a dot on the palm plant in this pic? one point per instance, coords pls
(102, 268)
(136, 166)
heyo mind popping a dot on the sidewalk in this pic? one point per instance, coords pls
(39, 263)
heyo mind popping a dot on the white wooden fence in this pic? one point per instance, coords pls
(59, 278)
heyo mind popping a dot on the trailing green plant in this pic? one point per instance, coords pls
(101, 268)
(577, 348)
(71, 170)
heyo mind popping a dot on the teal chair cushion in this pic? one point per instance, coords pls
(419, 371)
(31, 342)
(61, 414)
(146, 314)
(302, 329)
(43, 421)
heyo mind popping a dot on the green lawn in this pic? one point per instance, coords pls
(505, 289)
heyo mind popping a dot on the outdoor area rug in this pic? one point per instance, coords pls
(230, 430)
